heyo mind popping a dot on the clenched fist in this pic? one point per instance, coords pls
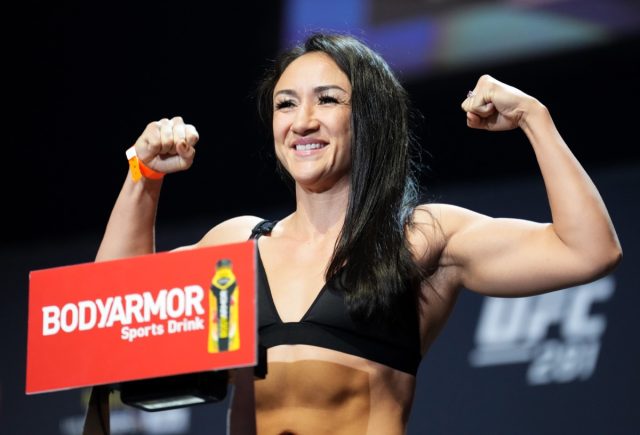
(495, 106)
(167, 145)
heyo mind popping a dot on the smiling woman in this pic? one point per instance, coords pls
(357, 282)
(312, 123)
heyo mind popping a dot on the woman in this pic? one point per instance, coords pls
(360, 278)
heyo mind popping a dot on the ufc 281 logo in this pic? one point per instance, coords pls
(558, 333)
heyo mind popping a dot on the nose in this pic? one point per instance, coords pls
(305, 120)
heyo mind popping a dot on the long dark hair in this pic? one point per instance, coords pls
(372, 261)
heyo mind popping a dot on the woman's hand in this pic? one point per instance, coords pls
(167, 145)
(496, 106)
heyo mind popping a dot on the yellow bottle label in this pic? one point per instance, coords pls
(223, 308)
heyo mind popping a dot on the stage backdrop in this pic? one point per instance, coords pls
(562, 363)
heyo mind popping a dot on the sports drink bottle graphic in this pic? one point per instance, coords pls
(223, 309)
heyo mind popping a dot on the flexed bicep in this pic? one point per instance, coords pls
(512, 257)
(509, 257)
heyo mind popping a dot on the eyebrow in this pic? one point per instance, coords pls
(316, 90)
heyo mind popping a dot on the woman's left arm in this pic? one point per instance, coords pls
(512, 257)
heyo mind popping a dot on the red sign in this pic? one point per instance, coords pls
(142, 317)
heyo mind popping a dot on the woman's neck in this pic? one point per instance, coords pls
(320, 214)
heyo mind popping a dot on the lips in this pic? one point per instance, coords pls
(309, 146)
(308, 141)
(306, 146)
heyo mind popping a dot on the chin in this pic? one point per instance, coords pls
(309, 183)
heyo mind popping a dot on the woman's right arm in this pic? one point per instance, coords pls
(165, 146)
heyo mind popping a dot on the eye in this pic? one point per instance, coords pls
(327, 99)
(284, 104)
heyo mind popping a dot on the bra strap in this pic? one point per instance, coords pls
(262, 228)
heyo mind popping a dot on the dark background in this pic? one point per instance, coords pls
(83, 80)
(89, 77)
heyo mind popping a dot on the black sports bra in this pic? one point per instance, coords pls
(327, 324)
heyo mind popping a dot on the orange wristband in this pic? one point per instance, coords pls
(139, 169)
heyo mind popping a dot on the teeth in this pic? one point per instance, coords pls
(309, 146)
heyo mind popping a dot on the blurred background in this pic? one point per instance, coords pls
(83, 80)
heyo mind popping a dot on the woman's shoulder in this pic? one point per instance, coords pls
(447, 218)
(432, 228)
(234, 230)
(434, 224)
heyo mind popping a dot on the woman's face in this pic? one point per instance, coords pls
(312, 122)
